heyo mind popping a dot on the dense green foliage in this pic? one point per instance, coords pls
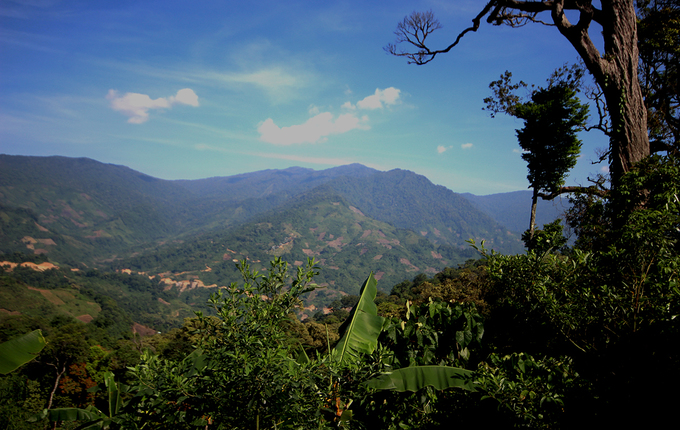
(552, 338)
(319, 223)
(548, 138)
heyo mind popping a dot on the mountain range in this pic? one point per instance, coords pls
(352, 219)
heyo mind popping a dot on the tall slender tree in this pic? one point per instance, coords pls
(551, 120)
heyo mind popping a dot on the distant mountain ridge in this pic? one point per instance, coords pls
(84, 211)
(512, 209)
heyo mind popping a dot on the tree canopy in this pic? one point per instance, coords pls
(551, 120)
(614, 70)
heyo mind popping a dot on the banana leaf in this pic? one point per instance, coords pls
(417, 377)
(21, 350)
(114, 394)
(90, 414)
(362, 327)
(95, 419)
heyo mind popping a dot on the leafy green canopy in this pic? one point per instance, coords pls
(551, 120)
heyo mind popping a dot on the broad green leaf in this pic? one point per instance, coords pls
(301, 356)
(21, 350)
(90, 414)
(114, 394)
(362, 328)
(415, 378)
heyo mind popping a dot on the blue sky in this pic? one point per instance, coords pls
(194, 89)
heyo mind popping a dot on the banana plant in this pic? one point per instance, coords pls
(360, 336)
(19, 351)
(93, 417)
(362, 327)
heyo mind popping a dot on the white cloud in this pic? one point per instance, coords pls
(315, 129)
(441, 148)
(136, 106)
(466, 145)
(604, 169)
(186, 96)
(323, 124)
(388, 96)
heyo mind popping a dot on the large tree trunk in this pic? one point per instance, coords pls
(617, 74)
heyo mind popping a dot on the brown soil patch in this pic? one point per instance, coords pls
(356, 211)
(49, 295)
(8, 266)
(378, 275)
(28, 240)
(96, 234)
(41, 228)
(377, 257)
(164, 301)
(365, 234)
(87, 318)
(39, 267)
(143, 330)
(405, 261)
(337, 243)
(5, 311)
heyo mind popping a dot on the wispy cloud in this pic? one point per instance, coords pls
(136, 106)
(315, 129)
(466, 145)
(441, 148)
(277, 82)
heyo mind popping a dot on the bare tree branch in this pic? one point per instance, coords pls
(592, 190)
(596, 95)
(418, 26)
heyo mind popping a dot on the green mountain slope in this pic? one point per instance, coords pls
(86, 209)
(407, 200)
(80, 210)
(320, 224)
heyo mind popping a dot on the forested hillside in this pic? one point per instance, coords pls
(81, 211)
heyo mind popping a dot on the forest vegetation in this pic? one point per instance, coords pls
(565, 333)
